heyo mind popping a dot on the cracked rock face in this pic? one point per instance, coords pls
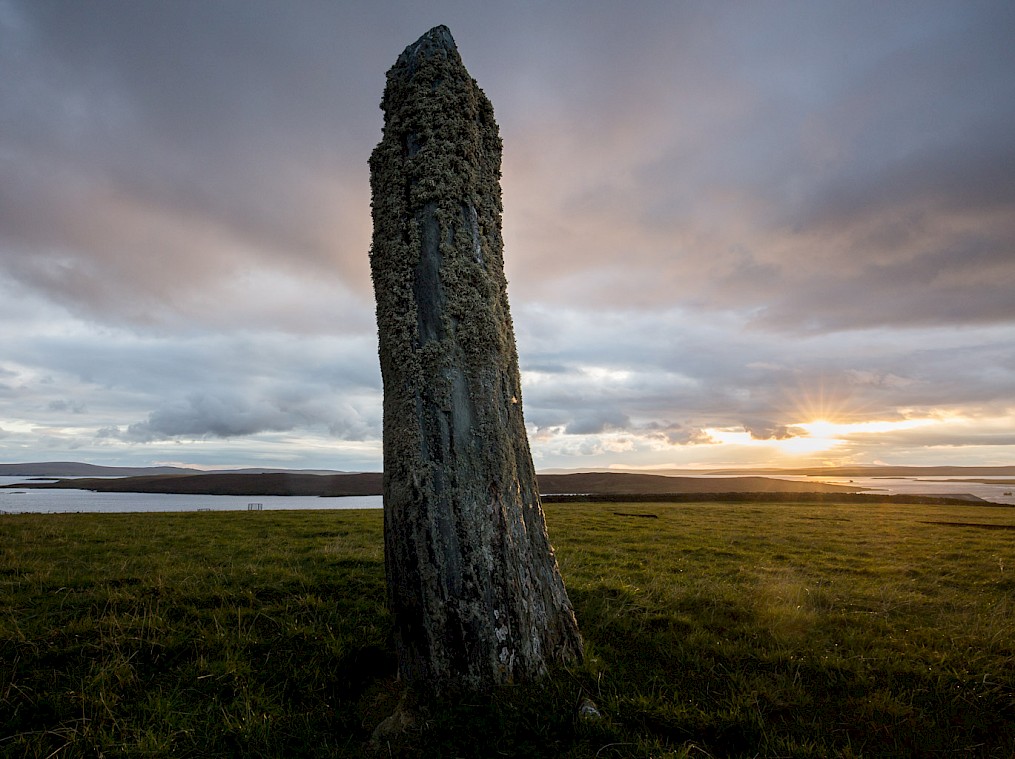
(473, 584)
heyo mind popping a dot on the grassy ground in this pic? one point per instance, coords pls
(711, 630)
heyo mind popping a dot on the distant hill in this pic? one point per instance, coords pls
(272, 483)
(77, 469)
(371, 483)
(275, 470)
(619, 483)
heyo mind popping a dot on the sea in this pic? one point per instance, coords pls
(70, 501)
(67, 501)
(993, 489)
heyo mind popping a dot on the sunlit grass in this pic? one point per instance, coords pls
(805, 629)
(711, 629)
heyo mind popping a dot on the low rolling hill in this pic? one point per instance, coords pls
(371, 483)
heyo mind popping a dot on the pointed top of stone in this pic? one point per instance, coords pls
(437, 41)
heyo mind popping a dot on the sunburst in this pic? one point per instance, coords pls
(824, 399)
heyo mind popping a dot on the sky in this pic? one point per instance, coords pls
(736, 234)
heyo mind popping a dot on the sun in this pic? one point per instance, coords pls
(826, 401)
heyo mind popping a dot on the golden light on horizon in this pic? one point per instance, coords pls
(795, 446)
(822, 428)
(817, 436)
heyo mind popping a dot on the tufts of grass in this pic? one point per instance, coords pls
(189, 634)
(711, 629)
(802, 630)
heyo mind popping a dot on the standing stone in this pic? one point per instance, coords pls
(473, 583)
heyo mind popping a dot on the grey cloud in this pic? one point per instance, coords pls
(970, 445)
(673, 434)
(976, 173)
(155, 366)
(969, 283)
(916, 439)
(925, 241)
(201, 416)
(599, 420)
(223, 416)
(766, 429)
(547, 367)
(73, 407)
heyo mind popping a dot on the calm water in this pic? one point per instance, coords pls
(994, 491)
(25, 500)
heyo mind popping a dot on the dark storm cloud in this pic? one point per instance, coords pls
(150, 149)
(926, 239)
(832, 169)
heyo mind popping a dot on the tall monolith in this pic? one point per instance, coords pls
(473, 584)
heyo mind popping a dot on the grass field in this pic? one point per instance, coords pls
(711, 629)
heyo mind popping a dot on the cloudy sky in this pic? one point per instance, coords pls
(736, 233)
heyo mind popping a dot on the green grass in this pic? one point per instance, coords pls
(711, 629)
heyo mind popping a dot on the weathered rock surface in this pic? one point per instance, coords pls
(474, 586)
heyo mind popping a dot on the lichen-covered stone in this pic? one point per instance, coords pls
(473, 584)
